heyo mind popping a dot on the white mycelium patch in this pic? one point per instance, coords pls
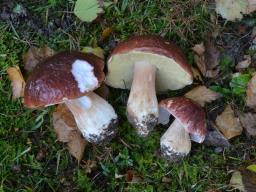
(84, 75)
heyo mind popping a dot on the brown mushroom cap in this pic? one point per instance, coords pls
(188, 113)
(52, 81)
(173, 70)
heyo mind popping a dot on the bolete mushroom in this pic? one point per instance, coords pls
(190, 118)
(70, 78)
(138, 64)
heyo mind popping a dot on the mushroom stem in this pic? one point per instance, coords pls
(175, 142)
(95, 117)
(142, 106)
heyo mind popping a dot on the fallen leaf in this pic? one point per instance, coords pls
(76, 145)
(106, 33)
(63, 123)
(245, 63)
(244, 180)
(87, 10)
(212, 54)
(252, 168)
(36, 55)
(17, 82)
(214, 137)
(234, 9)
(248, 121)
(236, 181)
(96, 51)
(196, 74)
(199, 49)
(67, 131)
(202, 95)
(228, 124)
(207, 58)
(251, 93)
(231, 9)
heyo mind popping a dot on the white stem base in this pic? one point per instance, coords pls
(142, 106)
(175, 142)
(95, 117)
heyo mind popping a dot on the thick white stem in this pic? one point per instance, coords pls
(175, 142)
(142, 106)
(95, 117)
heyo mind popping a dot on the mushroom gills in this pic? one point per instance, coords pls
(95, 117)
(170, 74)
(175, 142)
(142, 106)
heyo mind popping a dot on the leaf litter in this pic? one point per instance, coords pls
(65, 127)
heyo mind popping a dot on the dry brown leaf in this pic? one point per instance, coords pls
(89, 165)
(76, 145)
(207, 58)
(202, 95)
(199, 49)
(17, 82)
(196, 74)
(67, 131)
(234, 9)
(200, 63)
(248, 121)
(245, 63)
(228, 124)
(251, 93)
(36, 55)
(63, 123)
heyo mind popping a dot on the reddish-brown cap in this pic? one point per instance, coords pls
(188, 113)
(153, 44)
(53, 81)
(173, 70)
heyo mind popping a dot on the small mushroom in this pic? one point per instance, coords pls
(70, 78)
(190, 118)
(145, 64)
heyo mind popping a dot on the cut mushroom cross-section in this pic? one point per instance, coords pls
(70, 77)
(146, 64)
(190, 118)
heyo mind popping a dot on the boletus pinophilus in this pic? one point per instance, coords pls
(189, 119)
(70, 78)
(145, 64)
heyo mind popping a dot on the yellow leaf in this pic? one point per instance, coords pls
(252, 168)
(96, 51)
(18, 82)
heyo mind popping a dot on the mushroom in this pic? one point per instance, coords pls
(190, 118)
(138, 64)
(70, 78)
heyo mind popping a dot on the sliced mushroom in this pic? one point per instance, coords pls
(138, 64)
(70, 77)
(190, 118)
